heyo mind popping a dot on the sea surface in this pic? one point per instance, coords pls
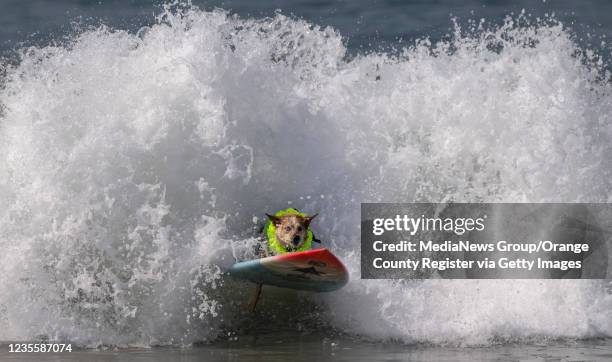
(365, 25)
(142, 143)
(309, 348)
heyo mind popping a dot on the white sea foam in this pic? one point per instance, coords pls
(133, 165)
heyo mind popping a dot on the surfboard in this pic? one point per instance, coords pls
(315, 270)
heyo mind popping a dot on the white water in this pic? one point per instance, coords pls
(132, 166)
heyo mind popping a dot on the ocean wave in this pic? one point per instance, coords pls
(135, 167)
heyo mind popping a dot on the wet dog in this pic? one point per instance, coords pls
(291, 230)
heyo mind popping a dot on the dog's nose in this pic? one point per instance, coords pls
(296, 240)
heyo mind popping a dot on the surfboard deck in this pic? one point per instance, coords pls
(315, 270)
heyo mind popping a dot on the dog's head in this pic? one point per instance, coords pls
(291, 230)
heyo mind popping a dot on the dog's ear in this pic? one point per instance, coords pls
(275, 219)
(308, 219)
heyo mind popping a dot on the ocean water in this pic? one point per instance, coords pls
(365, 25)
(141, 145)
(308, 348)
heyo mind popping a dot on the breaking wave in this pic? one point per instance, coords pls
(134, 168)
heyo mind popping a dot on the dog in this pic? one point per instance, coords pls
(291, 230)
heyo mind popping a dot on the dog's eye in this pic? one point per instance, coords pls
(288, 228)
(300, 228)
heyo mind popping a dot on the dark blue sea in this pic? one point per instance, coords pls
(366, 25)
